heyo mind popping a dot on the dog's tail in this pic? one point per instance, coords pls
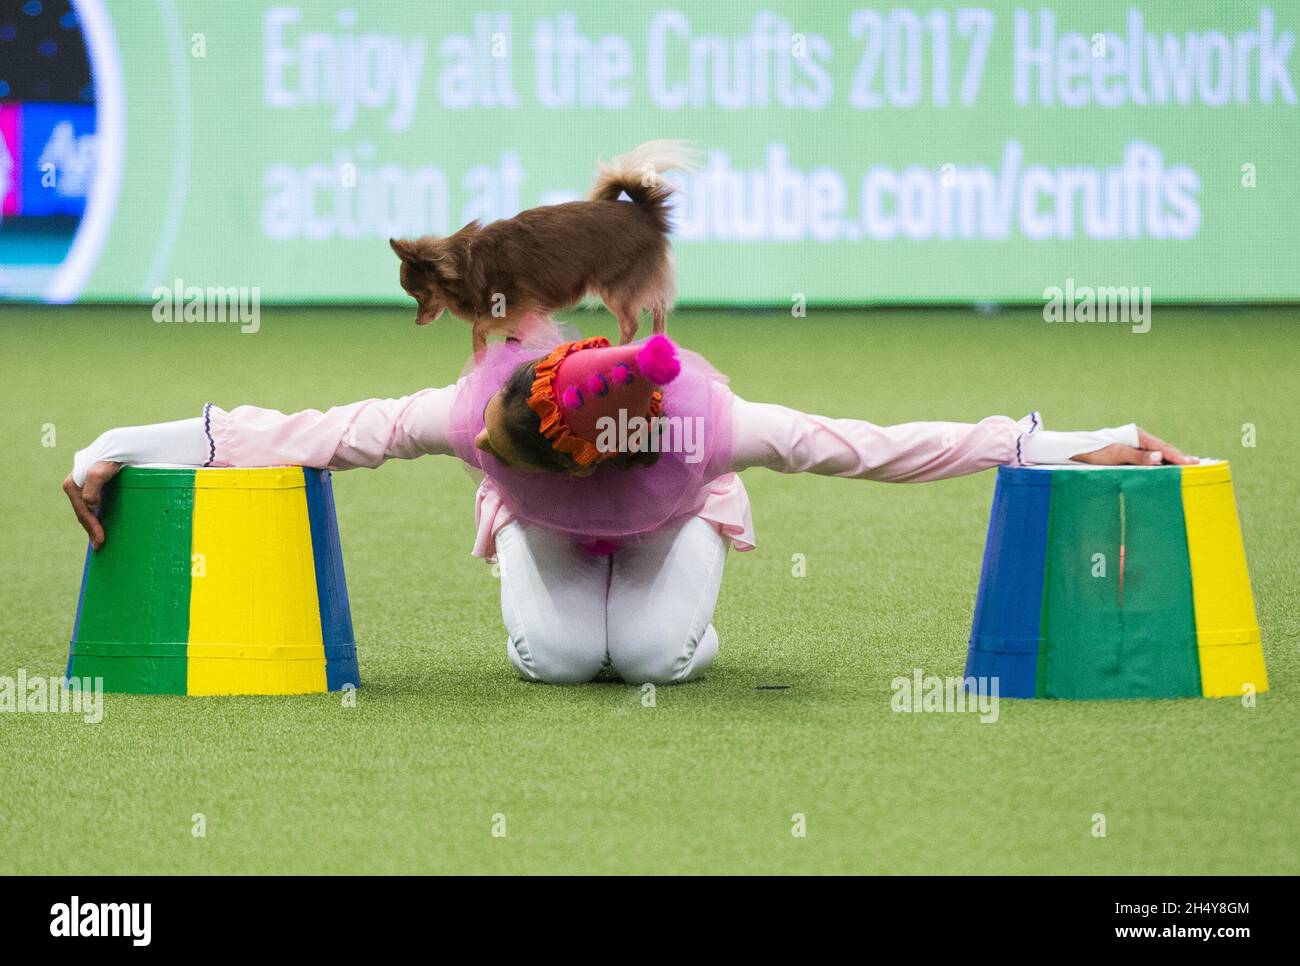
(639, 174)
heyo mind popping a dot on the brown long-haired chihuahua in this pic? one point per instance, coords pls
(546, 259)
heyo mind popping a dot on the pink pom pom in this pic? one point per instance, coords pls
(596, 385)
(570, 398)
(658, 360)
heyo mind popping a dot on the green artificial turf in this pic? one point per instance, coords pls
(444, 737)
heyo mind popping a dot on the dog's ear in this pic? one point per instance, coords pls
(427, 255)
(407, 251)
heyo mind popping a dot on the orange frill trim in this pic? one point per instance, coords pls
(543, 402)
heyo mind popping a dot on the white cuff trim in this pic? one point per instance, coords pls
(182, 443)
(1047, 448)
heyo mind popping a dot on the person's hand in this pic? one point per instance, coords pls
(85, 499)
(1150, 451)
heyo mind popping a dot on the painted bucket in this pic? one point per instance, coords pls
(216, 581)
(1116, 582)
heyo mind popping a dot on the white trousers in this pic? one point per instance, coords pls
(646, 610)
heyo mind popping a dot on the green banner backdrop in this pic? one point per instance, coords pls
(852, 152)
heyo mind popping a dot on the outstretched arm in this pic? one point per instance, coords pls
(790, 441)
(366, 433)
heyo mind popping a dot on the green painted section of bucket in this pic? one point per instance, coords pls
(133, 619)
(1132, 631)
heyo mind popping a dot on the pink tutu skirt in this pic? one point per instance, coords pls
(611, 506)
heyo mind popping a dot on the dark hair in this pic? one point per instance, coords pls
(524, 427)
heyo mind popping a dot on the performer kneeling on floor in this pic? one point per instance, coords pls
(609, 489)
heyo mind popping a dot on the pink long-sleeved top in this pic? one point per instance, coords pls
(370, 432)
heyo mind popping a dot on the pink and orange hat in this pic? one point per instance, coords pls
(581, 382)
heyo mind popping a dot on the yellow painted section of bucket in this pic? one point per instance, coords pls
(254, 613)
(1227, 629)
